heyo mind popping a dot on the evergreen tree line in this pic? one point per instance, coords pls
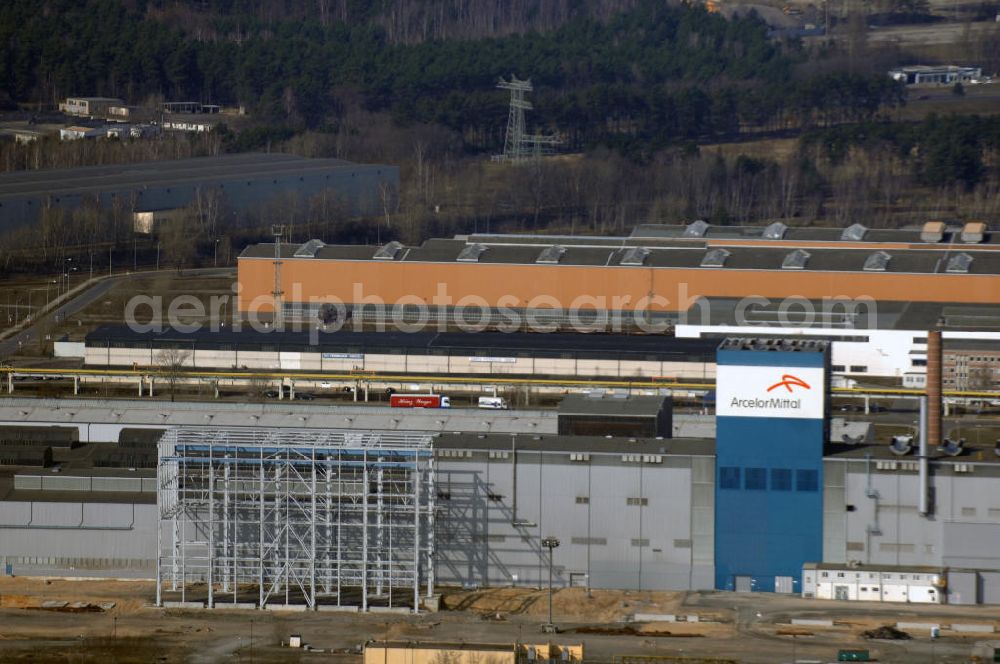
(946, 150)
(644, 77)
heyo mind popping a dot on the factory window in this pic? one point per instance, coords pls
(583, 500)
(781, 479)
(640, 542)
(756, 479)
(837, 367)
(729, 477)
(919, 363)
(968, 511)
(859, 368)
(599, 541)
(806, 480)
(637, 501)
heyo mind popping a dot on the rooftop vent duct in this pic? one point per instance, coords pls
(901, 445)
(471, 253)
(796, 260)
(933, 231)
(635, 256)
(959, 263)
(389, 251)
(715, 258)
(696, 229)
(951, 447)
(309, 249)
(551, 255)
(854, 233)
(974, 232)
(877, 262)
(775, 231)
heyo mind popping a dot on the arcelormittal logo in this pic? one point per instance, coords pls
(788, 382)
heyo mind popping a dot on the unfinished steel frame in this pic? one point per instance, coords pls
(295, 517)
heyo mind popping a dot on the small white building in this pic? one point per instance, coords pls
(77, 133)
(190, 125)
(123, 131)
(25, 136)
(874, 583)
(148, 221)
(941, 75)
(89, 107)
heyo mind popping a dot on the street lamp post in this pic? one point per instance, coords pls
(69, 273)
(550, 543)
(215, 259)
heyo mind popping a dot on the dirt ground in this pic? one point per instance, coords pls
(98, 621)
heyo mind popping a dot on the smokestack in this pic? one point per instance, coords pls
(934, 387)
(930, 417)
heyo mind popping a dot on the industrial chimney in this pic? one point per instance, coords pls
(934, 409)
(930, 417)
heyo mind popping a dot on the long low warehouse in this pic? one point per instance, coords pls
(494, 353)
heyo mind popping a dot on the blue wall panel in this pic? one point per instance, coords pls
(769, 521)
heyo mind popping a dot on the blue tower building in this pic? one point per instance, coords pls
(771, 415)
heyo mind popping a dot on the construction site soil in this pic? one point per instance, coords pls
(101, 621)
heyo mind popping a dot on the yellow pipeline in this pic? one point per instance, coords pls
(371, 377)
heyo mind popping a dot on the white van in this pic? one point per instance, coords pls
(493, 403)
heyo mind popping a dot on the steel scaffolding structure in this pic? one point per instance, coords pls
(295, 516)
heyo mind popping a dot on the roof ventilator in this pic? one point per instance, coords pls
(932, 231)
(715, 258)
(951, 447)
(551, 255)
(877, 262)
(973, 232)
(775, 231)
(697, 228)
(634, 256)
(309, 249)
(389, 251)
(901, 445)
(854, 233)
(959, 263)
(471, 253)
(796, 260)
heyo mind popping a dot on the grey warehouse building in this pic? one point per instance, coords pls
(244, 181)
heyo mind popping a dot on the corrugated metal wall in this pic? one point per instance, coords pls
(621, 523)
(101, 539)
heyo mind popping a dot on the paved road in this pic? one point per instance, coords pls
(84, 299)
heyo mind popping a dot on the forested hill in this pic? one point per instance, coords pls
(650, 73)
(403, 21)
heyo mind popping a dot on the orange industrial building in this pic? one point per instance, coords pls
(656, 269)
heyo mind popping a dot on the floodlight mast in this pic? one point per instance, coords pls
(277, 231)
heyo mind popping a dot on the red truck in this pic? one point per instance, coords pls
(419, 401)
